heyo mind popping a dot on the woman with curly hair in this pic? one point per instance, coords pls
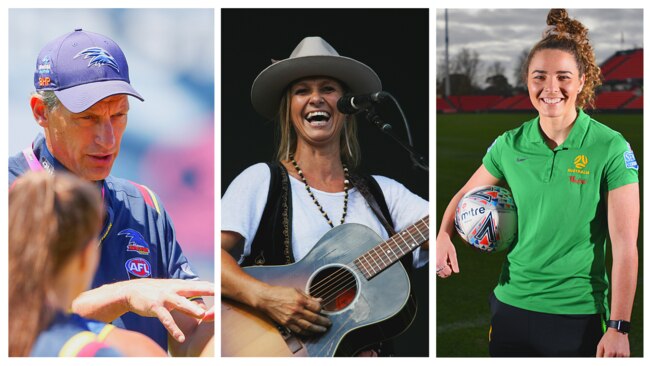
(574, 181)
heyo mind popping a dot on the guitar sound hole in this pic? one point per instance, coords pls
(336, 285)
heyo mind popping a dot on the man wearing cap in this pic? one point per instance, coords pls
(81, 101)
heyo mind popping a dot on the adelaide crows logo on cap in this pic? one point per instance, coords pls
(98, 57)
(136, 242)
(138, 267)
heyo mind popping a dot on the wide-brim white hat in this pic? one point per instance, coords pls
(312, 57)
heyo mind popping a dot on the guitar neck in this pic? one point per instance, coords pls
(382, 256)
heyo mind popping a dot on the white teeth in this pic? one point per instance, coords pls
(317, 113)
(318, 118)
(551, 100)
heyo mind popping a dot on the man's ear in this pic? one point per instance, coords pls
(39, 110)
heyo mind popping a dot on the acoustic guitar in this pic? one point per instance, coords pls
(365, 290)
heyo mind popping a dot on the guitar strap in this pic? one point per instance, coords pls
(362, 185)
(272, 242)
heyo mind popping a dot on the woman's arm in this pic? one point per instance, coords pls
(287, 306)
(446, 261)
(133, 344)
(623, 223)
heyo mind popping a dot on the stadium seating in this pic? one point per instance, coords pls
(443, 106)
(613, 99)
(612, 63)
(624, 66)
(508, 102)
(635, 104)
(523, 105)
(474, 103)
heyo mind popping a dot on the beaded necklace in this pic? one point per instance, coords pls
(346, 183)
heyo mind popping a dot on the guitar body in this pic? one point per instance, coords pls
(362, 313)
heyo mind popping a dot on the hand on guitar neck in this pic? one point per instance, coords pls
(287, 306)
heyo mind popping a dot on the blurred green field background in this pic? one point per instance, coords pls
(462, 313)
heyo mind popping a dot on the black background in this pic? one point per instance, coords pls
(393, 42)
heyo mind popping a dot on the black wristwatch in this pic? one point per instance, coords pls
(620, 325)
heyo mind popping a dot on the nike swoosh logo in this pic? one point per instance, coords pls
(519, 160)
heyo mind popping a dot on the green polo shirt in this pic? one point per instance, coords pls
(557, 264)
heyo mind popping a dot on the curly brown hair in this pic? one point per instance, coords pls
(569, 35)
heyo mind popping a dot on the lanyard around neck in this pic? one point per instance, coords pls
(36, 166)
(32, 161)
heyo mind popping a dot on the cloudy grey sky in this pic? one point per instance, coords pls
(502, 34)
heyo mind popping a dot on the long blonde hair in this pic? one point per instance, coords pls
(287, 139)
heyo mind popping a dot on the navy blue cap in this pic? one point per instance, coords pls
(83, 68)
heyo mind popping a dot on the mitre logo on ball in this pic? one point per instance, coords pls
(486, 218)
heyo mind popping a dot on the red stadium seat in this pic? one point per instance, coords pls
(614, 99)
(612, 63)
(443, 106)
(635, 104)
(508, 102)
(630, 68)
(523, 105)
(475, 103)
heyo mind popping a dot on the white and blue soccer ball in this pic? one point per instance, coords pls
(486, 218)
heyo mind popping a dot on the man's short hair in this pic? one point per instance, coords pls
(49, 99)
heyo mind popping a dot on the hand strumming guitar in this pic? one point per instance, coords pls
(287, 306)
(293, 309)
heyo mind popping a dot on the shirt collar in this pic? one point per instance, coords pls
(576, 135)
(48, 161)
(45, 157)
(578, 131)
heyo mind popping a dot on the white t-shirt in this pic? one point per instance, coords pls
(243, 204)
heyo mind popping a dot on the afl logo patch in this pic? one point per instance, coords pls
(139, 267)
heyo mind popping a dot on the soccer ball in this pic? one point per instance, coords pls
(486, 218)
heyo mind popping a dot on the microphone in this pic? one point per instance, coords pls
(351, 104)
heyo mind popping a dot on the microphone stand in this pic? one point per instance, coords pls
(417, 158)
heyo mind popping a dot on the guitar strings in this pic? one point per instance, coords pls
(376, 255)
(342, 271)
(331, 283)
(325, 281)
(351, 283)
(322, 288)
